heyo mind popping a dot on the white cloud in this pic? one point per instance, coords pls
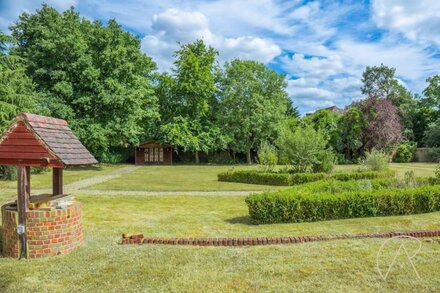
(417, 20)
(317, 67)
(173, 26)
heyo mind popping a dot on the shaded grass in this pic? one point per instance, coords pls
(104, 266)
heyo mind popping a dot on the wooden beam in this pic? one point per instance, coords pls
(57, 181)
(22, 207)
(28, 180)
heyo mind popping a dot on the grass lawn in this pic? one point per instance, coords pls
(179, 178)
(204, 178)
(102, 265)
(71, 174)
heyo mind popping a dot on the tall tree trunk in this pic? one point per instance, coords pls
(248, 157)
(197, 157)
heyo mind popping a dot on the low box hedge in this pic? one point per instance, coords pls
(287, 179)
(364, 175)
(303, 206)
(254, 177)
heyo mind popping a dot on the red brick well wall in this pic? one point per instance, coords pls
(49, 233)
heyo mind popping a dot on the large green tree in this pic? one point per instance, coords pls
(188, 99)
(16, 88)
(254, 103)
(93, 75)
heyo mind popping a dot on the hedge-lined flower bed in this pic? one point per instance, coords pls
(286, 179)
(303, 206)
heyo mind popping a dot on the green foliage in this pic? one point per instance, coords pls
(188, 100)
(326, 122)
(434, 154)
(432, 92)
(8, 173)
(405, 152)
(364, 175)
(379, 81)
(432, 134)
(267, 157)
(17, 93)
(376, 160)
(300, 178)
(293, 206)
(286, 179)
(350, 127)
(253, 104)
(94, 76)
(254, 177)
(305, 150)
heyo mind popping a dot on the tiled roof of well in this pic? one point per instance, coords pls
(57, 136)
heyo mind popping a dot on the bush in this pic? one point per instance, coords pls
(267, 157)
(300, 178)
(286, 179)
(405, 152)
(376, 160)
(305, 150)
(292, 206)
(434, 154)
(254, 177)
(8, 173)
(364, 175)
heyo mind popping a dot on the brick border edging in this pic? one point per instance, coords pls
(139, 239)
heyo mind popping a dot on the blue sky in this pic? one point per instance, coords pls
(322, 46)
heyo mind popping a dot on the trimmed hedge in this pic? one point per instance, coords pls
(254, 177)
(303, 206)
(286, 179)
(364, 175)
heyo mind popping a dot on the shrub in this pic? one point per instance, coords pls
(305, 150)
(405, 152)
(286, 179)
(300, 178)
(376, 160)
(293, 206)
(434, 154)
(254, 177)
(364, 175)
(8, 173)
(267, 157)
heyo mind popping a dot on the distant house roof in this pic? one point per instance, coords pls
(333, 109)
(35, 140)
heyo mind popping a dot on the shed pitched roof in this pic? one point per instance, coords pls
(43, 138)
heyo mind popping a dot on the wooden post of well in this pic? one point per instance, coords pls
(28, 180)
(57, 181)
(22, 207)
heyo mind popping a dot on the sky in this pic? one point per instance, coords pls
(321, 46)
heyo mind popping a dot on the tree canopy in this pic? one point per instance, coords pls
(94, 76)
(253, 104)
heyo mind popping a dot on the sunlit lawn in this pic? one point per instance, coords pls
(71, 174)
(102, 265)
(179, 178)
(204, 177)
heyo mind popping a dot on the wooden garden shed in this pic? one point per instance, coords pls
(153, 153)
(48, 224)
